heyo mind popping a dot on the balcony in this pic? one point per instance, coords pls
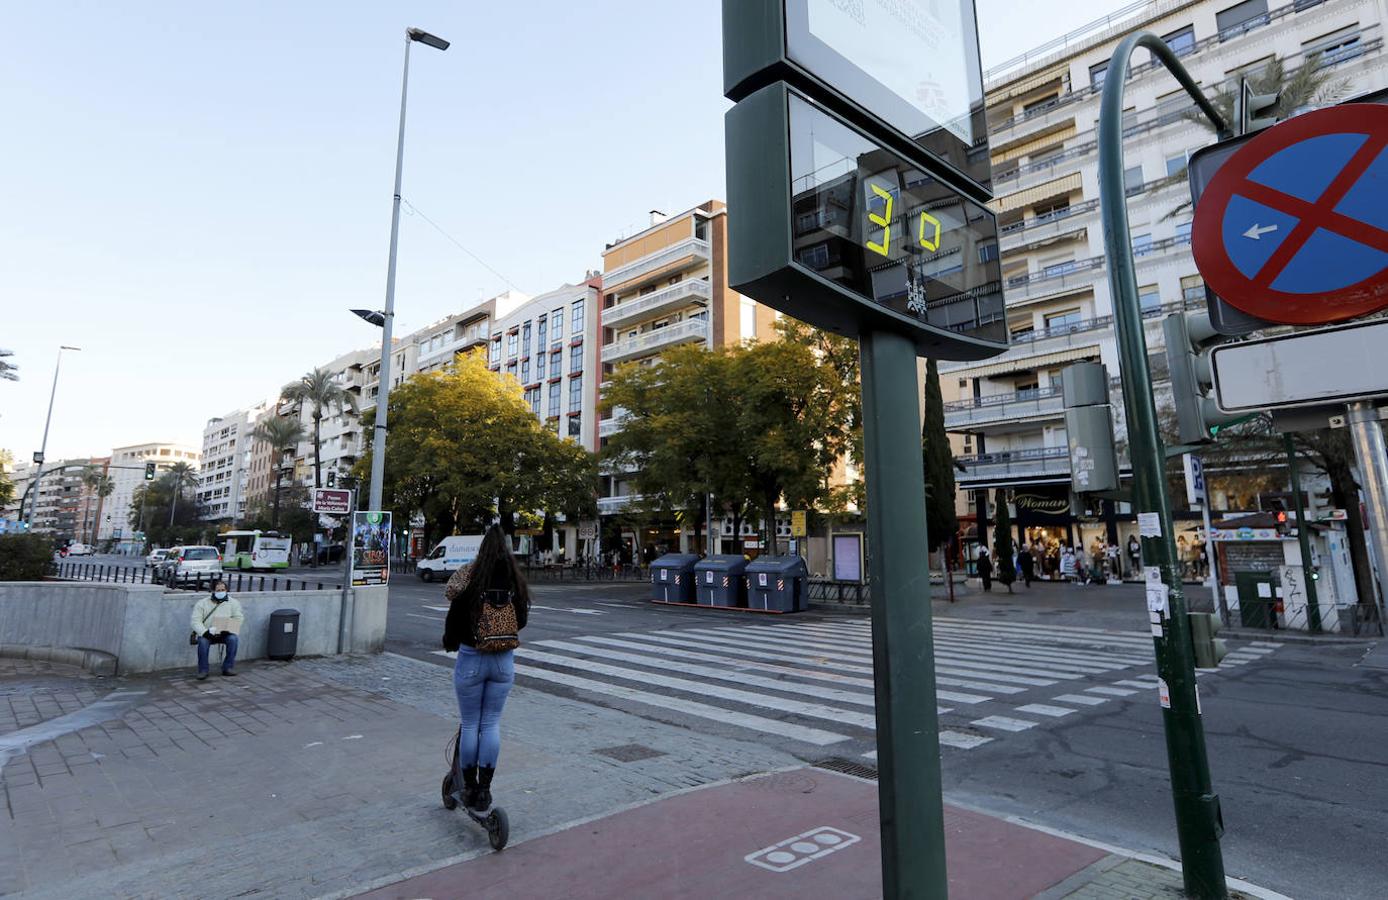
(685, 249)
(1058, 279)
(1048, 226)
(655, 339)
(963, 415)
(677, 296)
(1008, 464)
(611, 505)
(609, 427)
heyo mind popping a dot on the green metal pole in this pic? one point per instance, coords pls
(909, 800)
(1303, 536)
(1198, 820)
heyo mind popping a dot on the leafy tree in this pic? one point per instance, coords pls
(464, 448)
(166, 522)
(295, 520)
(840, 355)
(283, 435)
(25, 557)
(6, 485)
(321, 392)
(1004, 569)
(180, 475)
(7, 369)
(98, 482)
(941, 520)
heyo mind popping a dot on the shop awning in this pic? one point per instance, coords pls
(1034, 195)
(1028, 84)
(1028, 363)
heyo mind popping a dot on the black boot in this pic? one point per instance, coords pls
(484, 789)
(470, 787)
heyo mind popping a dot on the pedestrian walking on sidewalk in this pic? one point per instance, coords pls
(216, 620)
(1028, 566)
(488, 604)
(985, 568)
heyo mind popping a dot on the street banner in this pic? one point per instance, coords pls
(370, 548)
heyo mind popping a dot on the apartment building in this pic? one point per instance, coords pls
(127, 474)
(1006, 413)
(223, 485)
(664, 286)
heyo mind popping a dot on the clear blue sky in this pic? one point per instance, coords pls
(195, 193)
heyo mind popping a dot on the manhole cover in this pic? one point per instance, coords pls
(848, 767)
(630, 752)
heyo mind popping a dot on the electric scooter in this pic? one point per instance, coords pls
(494, 820)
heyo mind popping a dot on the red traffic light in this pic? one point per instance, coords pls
(1282, 517)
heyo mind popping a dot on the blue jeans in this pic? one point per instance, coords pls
(482, 682)
(231, 642)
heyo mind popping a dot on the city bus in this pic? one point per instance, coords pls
(255, 550)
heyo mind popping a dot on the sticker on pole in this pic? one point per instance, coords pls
(1293, 228)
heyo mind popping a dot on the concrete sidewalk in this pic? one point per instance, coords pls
(321, 778)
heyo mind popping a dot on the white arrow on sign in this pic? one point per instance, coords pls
(1256, 233)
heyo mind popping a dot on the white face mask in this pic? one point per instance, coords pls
(220, 595)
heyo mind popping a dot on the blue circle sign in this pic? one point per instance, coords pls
(1293, 228)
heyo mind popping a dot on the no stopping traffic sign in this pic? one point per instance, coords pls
(1293, 228)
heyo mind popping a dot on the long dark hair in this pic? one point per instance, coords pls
(495, 568)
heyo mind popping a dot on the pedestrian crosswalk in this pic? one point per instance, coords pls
(811, 680)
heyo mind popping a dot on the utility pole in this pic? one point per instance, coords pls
(1199, 824)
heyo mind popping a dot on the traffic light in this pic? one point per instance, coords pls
(332, 478)
(1189, 338)
(149, 471)
(1256, 111)
(1209, 650)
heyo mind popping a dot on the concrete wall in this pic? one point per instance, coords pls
(145, 627)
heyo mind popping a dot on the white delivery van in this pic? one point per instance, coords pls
(451, 554)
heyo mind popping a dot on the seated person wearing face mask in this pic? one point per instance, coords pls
(216, 619)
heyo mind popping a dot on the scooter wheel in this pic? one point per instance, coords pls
(498, 828)
(449, 801)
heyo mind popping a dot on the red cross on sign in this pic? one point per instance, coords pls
(1293, 228)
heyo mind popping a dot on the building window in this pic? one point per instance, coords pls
(576, 317)
(1061, 267)
(1337, 47)
(1142, 244)
(816, 257)
(525, 338)
(556, 364)
(511, 369)
(556, 324)
(1181, 41)
(553, 407)
(525, 371)
(576, 394)
(512, 341)
(1149, 297)
(1193, 289)
(532, 399)
(1175, 165)
(1132, 180)
(1068, 320)
(1097, 73)
(576, 358)
(747, 319)
(1183, 233)
(1241, 17)
(988, 252)
(575, 426)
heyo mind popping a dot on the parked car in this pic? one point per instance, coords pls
(156, 557)
(331, 554)
(190, 563)
(77, 548)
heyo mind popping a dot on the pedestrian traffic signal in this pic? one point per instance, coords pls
(149, 471)
(1190, 337)
(1209, 650)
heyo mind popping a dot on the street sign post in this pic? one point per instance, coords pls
(1293, 227)
(332, 501)
(857, 173)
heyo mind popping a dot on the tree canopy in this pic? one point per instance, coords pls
(464, 448)
(320, 390)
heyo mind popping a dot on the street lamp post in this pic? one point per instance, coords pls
(378, 444)
(43, 448)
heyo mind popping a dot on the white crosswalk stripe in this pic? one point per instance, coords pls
(811, 680)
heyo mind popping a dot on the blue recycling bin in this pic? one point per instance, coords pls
(777, 583)
(672, 578)
(719, 581)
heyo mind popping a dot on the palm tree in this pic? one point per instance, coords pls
(99, 483)
(180, 474)
(7, 369)
(283, 435)
(320, 390)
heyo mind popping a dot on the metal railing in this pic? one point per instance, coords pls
(838, 591)
(1050, 218)
(1035, 461)
(199, 581)
(688, 247)
(656, 338)
(610, 505)
(672, 297)
(1002, 399)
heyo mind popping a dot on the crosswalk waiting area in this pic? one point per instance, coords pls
(811, 681)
